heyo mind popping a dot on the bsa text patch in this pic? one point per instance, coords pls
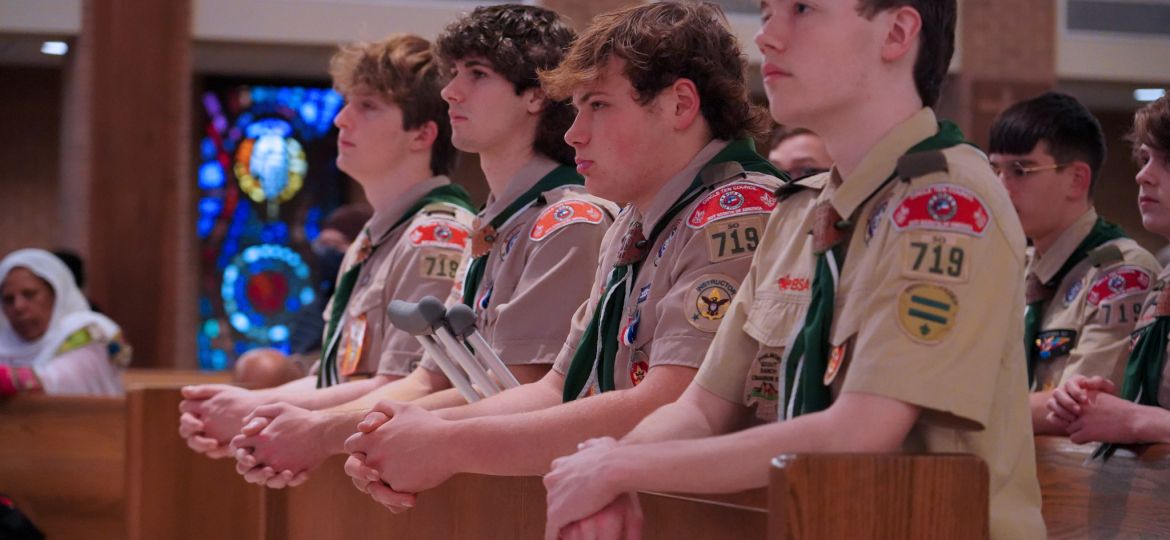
(563, 214)
(439, 233)
(710, 297)
(942, 207)
(1055, 343)
(735, 199)
(1118, 282)
(926, 312)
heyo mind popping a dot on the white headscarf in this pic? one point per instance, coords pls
(70, 311)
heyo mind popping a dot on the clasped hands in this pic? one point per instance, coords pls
(1089, 410)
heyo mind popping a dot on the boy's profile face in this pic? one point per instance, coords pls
(618, 141)
(484, 107)
(371, 140)
(817, 57)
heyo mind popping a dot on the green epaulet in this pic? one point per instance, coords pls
(1104, 255)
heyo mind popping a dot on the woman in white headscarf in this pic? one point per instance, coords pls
(50, 340)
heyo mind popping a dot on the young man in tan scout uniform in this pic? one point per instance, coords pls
(903, 345)
(394, 139)
(534, 246)
(1086, 279)
(662, 122)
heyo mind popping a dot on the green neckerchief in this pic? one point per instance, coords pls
(327, 374)
(563, 175)
(599, 345)
(1147, 360)
(1102, 232)
(806, 360)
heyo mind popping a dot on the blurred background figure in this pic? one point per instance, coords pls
(50, 339)
(266, 367)
(798, 152)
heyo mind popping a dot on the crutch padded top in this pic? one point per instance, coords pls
(461, 320)
(432, 310)
(408, 317)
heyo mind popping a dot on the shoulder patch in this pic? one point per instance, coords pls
(708, 300)
(563, 214)
(942, 207)
(441, 233)
(926, 312)
(1118, 282)
(735, 199)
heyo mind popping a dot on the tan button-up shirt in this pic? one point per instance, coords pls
(420, 257)
(744, 361)
(928, 312)
(1085, 326)
(539, 268)
(694, 268)
(1147, 318)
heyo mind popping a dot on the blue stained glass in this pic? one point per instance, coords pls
(211, 328)
(313, 223)
(211, 175)
(210, 206)
(278, 332)
(284, 348)
(219, 360)
(240, 322)
(308, 296)
(205, 309)
(204, 227)
(309, 112)
(292, 304)
(243, 347)
(207, 148)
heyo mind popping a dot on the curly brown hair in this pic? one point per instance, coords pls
(402, 69)
(659, 44)
(517, 41)
(936, 42)
(1151, 126)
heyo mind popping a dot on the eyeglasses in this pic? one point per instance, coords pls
(1016, 169)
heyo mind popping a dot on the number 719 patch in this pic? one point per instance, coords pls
(937, 257)
(732, 238)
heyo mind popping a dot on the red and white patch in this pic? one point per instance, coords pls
(942, 207)
(734, 199)
(439, 233)
(1118, 282)
(563, 214)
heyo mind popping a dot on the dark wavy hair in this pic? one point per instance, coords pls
(1151, 126)
(661, 43)
(402, 70)
(518, 42)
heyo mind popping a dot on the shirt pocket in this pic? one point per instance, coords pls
(774, 317)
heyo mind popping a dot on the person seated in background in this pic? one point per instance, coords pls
(50, 340)
(1090, 408)
(1086, 278)
(266, 367)
(394, 140)
(798, 152)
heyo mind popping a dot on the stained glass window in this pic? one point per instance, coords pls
(266, 177)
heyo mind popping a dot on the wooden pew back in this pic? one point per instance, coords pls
(1129, 495)
(62, 461)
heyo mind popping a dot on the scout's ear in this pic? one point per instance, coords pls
(682, 103)
(424, 136)
(534, 99)
(904, 26)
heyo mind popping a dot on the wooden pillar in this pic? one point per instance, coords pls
(127, 198)
(1008, 50)
(580, 13)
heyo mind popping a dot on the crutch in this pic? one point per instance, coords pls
(407, 317)
(435, 313)
(461, 320)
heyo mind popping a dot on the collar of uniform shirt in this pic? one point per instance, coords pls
(880, 162)
(677, 185)
(383, 222)
(1049, 264)
(528, 175)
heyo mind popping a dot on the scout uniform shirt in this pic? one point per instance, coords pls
(692, 271)
(538, 268)
(1085, 326)
(743, 363)
(419, 257)
(927, 309)
(1149, 312)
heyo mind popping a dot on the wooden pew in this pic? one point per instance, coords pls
(62, 461)
(1127, 496)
